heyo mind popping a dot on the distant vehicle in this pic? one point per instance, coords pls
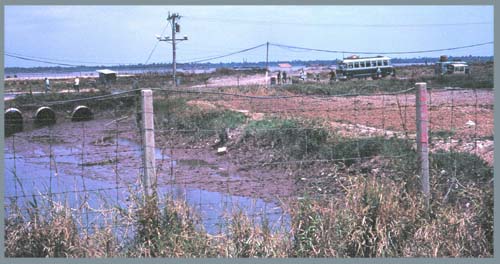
(356, 67)
(444, 66)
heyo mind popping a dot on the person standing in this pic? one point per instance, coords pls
(379, 73)
(333, 76)
(76, 86)
(302, 74)
(47, 85)
(135, 84)
(284, 77)
(279, 77)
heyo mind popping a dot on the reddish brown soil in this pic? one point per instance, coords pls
(468, 113)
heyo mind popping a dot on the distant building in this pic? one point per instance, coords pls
(106, 76)
(285, 66)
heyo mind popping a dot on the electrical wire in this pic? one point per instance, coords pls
(64, 62)
(225, 55)
(289, 47)
(371, 52)
(274, 22)
(157, 42)
(43, 61)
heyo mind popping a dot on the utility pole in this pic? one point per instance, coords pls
(176, 28)
(267, 56)
(267, 61)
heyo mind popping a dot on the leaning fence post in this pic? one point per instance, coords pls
(148, 141)
(423, 138)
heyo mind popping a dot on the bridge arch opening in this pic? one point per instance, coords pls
(81, 113)
(13, 119)
(45, 116)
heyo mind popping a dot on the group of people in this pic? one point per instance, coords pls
(316, 77)
(282, 77)
(76, 84)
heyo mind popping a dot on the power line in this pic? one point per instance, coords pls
(371, 52)
(157, 42)
(274, 22)
(289, 47)
(43, 61)
(52, 60)
(225, 55)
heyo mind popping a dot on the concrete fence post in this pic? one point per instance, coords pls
(423, 138)
(148, 141)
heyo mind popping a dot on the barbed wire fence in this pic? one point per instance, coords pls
(274, 152)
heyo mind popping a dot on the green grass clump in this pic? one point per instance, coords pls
(441, 134)
(364, 87)
(168, 230)
(463, 81)
(192, 120)
(453, 172)
(461, 165)
(351, 149)
(296, 137)
(305, 139)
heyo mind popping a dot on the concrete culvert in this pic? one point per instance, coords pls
(13, 121)
(81, 113)
(45, 116)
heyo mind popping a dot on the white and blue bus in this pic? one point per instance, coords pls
(356, 67)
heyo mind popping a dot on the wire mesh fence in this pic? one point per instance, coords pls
(222, 152)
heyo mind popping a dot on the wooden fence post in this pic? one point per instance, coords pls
(148, 141)
(423, 138)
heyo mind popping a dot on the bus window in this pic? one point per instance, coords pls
(379, 63)
(362, 64)
(350, 65)
(374, 63)
(356, 64)
(386, 63)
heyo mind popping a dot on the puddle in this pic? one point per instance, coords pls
(194, 163)
(213, 207)
(137, 148)
(108, 177)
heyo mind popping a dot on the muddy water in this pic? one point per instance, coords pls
(106, 172)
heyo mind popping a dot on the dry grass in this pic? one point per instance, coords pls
(41, 230)
(379, 218)
(373, 217)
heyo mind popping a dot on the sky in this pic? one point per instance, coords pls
(126, 34)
